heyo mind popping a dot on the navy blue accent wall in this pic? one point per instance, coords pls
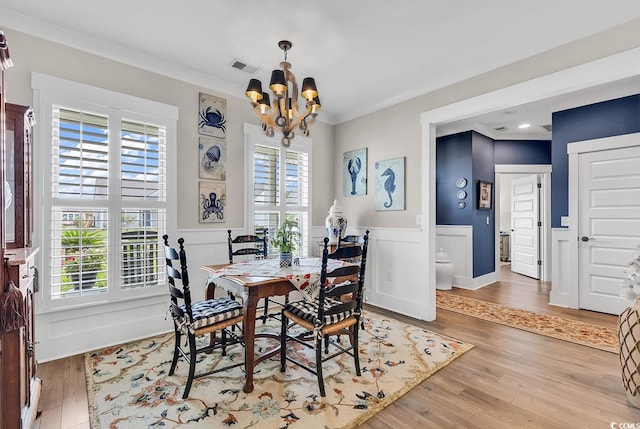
(453, 160)
(605, 119)
(522, 151)
(483, 231)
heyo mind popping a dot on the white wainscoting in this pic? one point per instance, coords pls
(561, 269)
(395, 274)
(457, 242)
(394, 280)
(70, 331)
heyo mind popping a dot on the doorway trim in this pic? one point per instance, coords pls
(544, 171)
(574, 150)
(601, 71)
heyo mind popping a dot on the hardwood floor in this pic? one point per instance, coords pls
(510, 379)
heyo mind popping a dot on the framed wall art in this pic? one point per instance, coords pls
(390, 191)
(485, 195)
(211, 116)
(213, 200)
(354, 172)
(212, 158)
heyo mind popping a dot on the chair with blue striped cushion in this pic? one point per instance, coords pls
(336, 311)
(194, 319)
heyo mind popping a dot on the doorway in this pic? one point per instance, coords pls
(504, 175)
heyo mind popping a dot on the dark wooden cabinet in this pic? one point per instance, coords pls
(18, 175)
(19, 386)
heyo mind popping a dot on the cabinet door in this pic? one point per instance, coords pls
(18, 172)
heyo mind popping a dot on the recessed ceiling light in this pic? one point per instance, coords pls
(524, 125)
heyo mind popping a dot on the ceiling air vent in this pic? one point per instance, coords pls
(547, 127)
(501, 129)
(244, 67)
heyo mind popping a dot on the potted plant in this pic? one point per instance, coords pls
(85, 255)
(629, 332)
(286, 240)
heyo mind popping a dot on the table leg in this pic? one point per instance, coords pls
(249, 327)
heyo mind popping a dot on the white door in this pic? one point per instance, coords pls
(609, 225)
(525, 226)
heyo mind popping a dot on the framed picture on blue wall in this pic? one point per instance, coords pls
(485, 195)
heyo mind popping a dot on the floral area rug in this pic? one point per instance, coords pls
(129, 386)
(586, 334)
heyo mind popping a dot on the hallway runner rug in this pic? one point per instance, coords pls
(129, 386)
(583, 333)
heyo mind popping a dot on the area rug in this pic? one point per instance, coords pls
(586, 334)
(129, 386)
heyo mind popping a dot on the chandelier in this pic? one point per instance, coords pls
(284, 114)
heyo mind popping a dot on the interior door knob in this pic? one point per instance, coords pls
(585, 238)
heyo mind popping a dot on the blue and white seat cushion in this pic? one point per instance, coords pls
(308, 311)
(210, 312)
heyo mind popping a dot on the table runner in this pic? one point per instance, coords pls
(304, 276)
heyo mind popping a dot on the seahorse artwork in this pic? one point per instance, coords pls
(354, 168)
(389, 185)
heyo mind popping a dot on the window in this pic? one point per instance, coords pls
(273, 172)
(106, 209)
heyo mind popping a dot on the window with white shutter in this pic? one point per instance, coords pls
(274, 171)
(106, 209)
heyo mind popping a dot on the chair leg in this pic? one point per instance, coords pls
(192, 364)
(356, 348)
(283, 341)
(176, 353)
(224, 342)
(319, 366)
(326, 344)
(266, 310)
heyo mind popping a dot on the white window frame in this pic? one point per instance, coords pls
(50, 91)
(253, 135)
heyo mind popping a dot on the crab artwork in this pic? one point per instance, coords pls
(211, 116)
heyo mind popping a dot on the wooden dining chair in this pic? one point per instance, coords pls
(337, 310)
(351, 250)
(194, 319)
(250, 244)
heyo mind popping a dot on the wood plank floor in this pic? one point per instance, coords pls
(510, 379)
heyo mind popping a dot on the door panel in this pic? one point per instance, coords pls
(525, 233)
(609, 225)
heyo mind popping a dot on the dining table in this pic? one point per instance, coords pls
(254, 279)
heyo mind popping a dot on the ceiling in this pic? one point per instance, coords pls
(364, 55)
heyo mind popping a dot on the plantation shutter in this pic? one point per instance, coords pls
(80, 169)
(278, 172)
(142, 167)
(85, 210)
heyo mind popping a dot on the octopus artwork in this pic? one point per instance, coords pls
(212, 202)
